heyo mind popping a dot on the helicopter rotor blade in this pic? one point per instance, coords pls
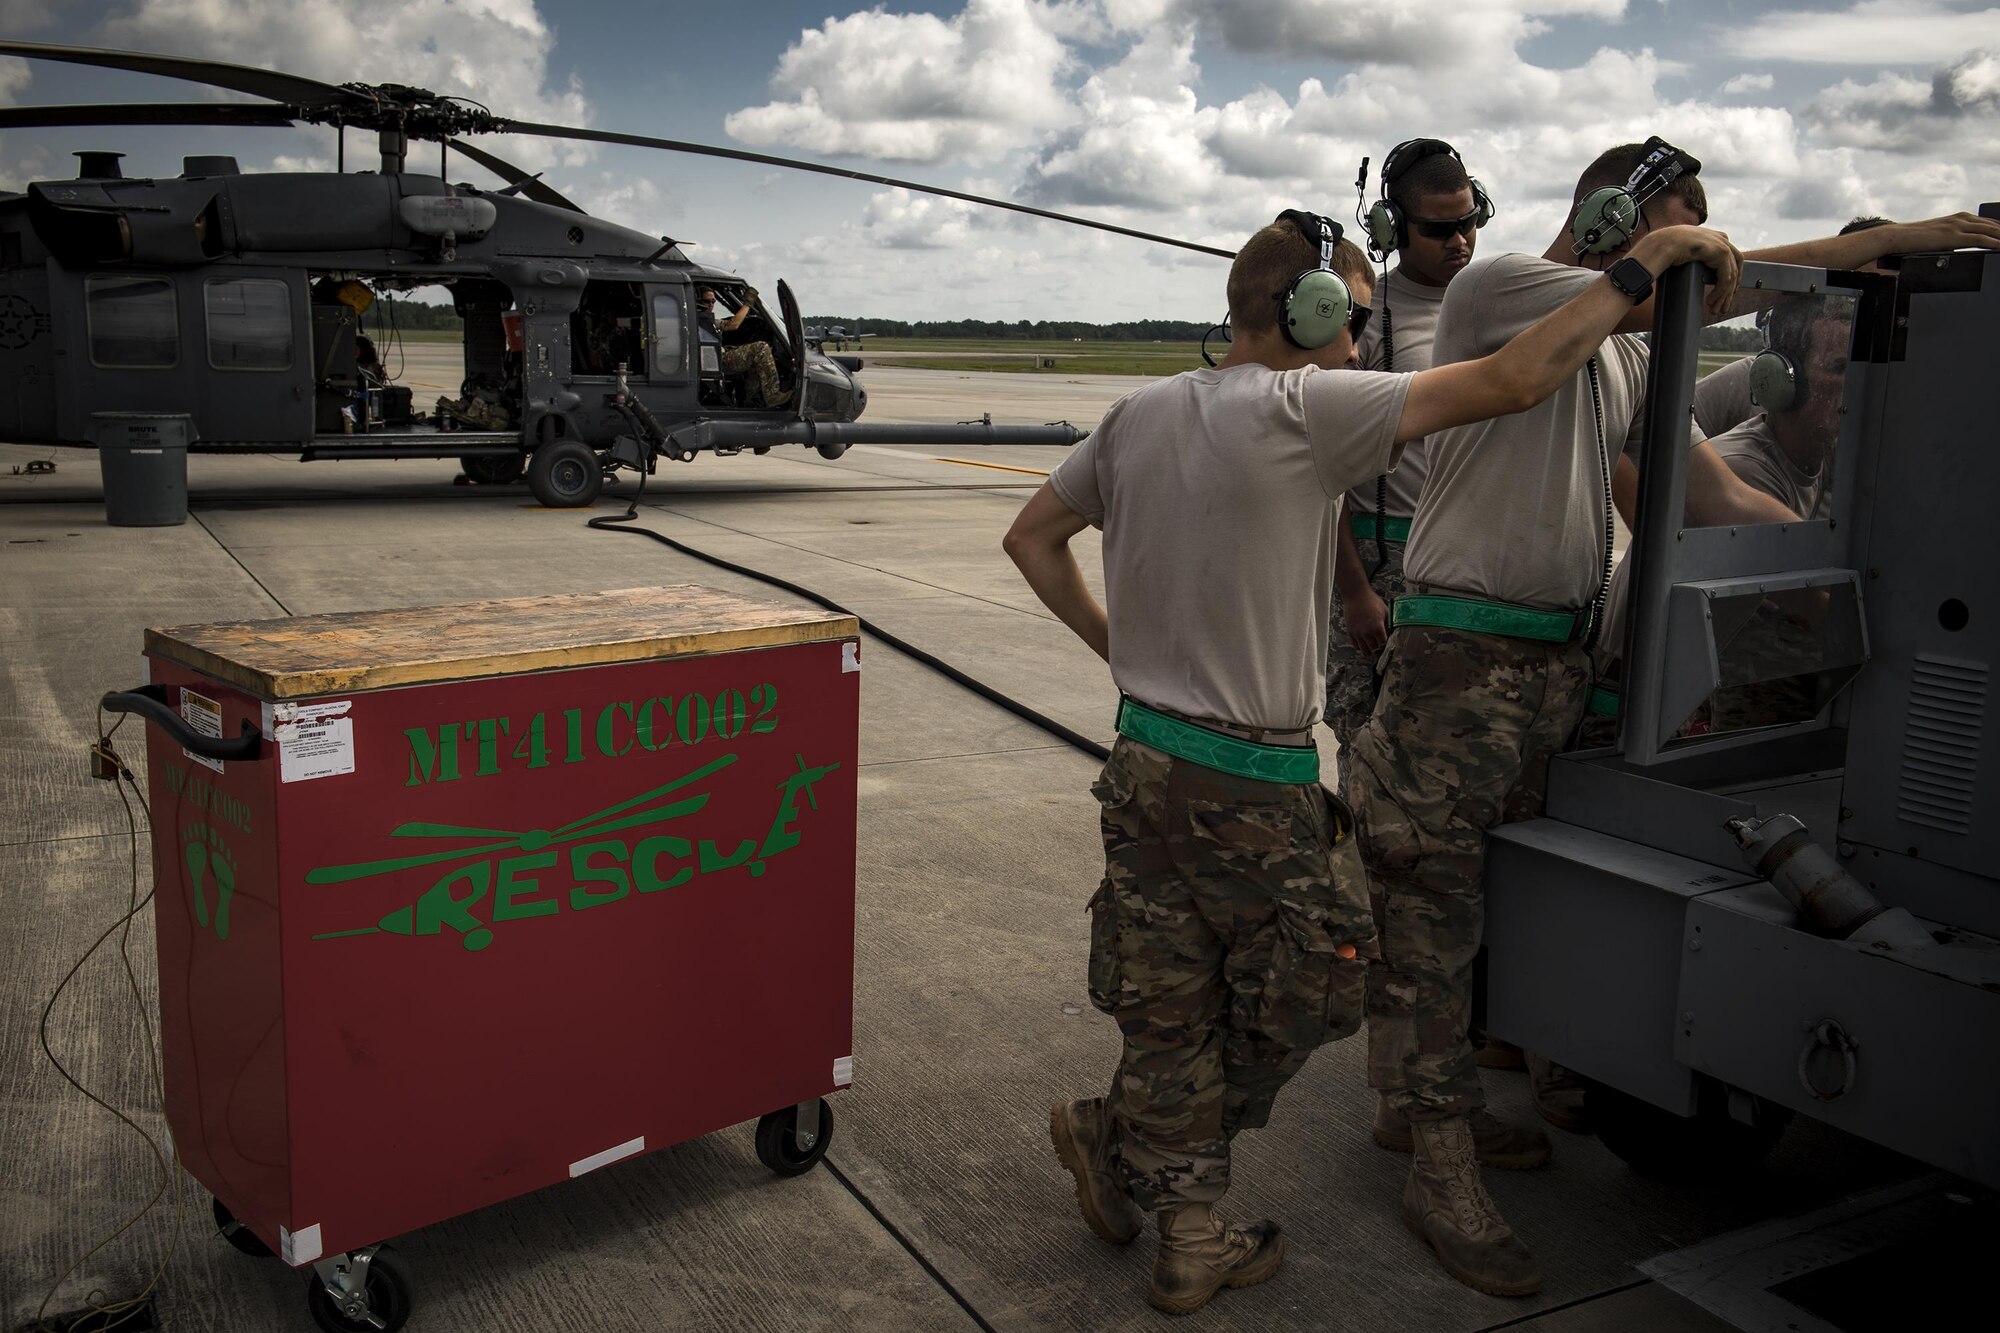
(145, 113)
(766, 159)
(529, 185)
(290, 89)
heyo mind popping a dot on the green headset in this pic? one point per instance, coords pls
(1386, 225)
(1313, 308)
(1775, 382)
(1608, 217)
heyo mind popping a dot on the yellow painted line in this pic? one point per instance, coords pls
(997, 467)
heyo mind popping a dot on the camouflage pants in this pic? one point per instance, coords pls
(1351, 683)
(1229, 939)
(754, 360)
(1460, 742)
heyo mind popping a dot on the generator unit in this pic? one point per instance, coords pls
(1777, 893)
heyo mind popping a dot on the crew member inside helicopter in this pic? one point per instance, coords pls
(751, 359)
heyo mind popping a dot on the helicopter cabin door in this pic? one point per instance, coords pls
(254, 357)
(794, 334)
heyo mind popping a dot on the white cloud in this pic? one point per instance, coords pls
(1953, 114)
(1384, 31)
(14, 76)
(494, 51)
(1747, 83)
(917, 88)
(1873, 32)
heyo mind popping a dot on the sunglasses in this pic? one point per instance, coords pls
(1437, 229)
(1357, 319)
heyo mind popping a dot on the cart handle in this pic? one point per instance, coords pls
(150, 702)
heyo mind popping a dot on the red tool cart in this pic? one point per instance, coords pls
(506, 892)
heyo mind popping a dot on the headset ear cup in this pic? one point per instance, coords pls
(1316, 309)
(1605, 220)
(1775, 382)
(1483, 202)
(1385, 227)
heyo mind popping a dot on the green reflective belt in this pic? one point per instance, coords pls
(1483, 617)
(1603, 701)
(1212, 749)
(1393, 529)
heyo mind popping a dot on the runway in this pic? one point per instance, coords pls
(943, 1207)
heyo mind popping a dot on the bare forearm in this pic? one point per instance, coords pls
(1349, 574)
(1058, 581)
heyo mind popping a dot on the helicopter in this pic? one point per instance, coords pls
(235, 298)
(819, 335)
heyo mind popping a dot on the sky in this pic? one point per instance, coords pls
(1199, 119)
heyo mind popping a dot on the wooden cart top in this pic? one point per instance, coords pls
(305, 656)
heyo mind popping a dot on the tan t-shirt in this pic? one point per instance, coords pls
(1215, 490)
(1408, 310)
(1722, 398)
(1513, 509)
(1755, 456)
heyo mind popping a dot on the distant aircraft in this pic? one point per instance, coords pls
(818, 335)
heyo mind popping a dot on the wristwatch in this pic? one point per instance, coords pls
(1631, 277)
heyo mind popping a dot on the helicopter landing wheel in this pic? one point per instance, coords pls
(565, 474)
(494, 470)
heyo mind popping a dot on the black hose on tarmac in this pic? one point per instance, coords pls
(609, 523)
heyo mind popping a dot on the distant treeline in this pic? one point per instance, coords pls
(1025, 330)
(418, 315)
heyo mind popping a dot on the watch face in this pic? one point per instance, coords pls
(1631, 277)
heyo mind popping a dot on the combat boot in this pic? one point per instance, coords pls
(1559, 1094)
(1500, 1144)
(1498, 1054)
(1199, 1256)
(1448, 1208)
(1081, 1132)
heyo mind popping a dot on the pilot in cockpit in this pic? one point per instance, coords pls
(750, 358)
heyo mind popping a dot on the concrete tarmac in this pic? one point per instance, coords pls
(942, 1206)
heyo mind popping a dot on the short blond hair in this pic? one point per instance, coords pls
(1268, 262)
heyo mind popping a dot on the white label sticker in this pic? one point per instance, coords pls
(626, 1149)
(203, 716)
(843, 1071)
(301, 1246)
(314, 740)
(850, 657)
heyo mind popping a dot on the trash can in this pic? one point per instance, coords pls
(458, 902)
(143, 456)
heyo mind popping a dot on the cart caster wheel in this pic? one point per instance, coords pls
(778, 1140)
(238, 1235)
(380, 1305)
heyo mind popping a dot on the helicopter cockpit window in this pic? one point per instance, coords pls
(134, 322)
(669, 342)
(249, 323)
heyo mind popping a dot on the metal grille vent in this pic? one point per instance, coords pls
(1941, 743)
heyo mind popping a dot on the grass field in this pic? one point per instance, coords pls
(1035, 357)
(1026, 356)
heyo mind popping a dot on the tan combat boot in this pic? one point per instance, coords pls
(1498, 1054)
(1559, 1094)
(1500, 1144)
(1081, 1131)
(1447, 1207)
(1199, 1256)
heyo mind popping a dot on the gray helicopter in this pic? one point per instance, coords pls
(235, 300)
